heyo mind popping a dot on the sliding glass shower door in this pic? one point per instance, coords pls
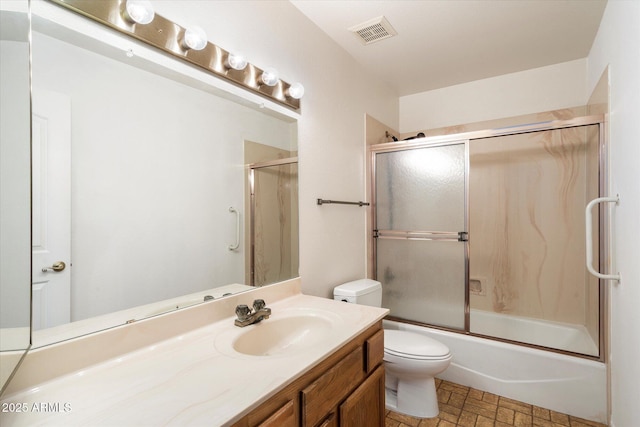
(421, 232)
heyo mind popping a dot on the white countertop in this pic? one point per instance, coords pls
(187, 379)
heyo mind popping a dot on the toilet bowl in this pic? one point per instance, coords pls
(411, 360)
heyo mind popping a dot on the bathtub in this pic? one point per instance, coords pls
(567, 384)
(545, 333)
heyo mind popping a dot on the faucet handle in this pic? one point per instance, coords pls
(258, 304)
(243, 311)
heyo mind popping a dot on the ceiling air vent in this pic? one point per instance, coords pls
(373, 30)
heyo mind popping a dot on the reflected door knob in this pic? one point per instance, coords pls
(57, 266)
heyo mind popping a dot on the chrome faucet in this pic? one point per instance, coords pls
(246, 316)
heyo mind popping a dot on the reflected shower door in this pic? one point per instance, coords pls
(274, 221)
(421, 233)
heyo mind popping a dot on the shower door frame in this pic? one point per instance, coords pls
(252, 207)
(604, 244)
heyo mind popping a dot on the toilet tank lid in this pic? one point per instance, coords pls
(413, 344)
(357, 287)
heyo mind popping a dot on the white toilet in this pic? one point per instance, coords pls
(411, 360)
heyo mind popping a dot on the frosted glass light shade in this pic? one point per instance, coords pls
(237, 61)
(195, 38)
(139, 11)
(270, 77)
(296, 90)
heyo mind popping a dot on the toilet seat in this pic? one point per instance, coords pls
(411, 345)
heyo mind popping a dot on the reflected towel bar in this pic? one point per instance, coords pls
(589, 236)
(338, 202)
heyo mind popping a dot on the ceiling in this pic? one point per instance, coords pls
(442, 43)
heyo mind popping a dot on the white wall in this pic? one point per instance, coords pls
(618, 45)
(541, 89)
(331, 130)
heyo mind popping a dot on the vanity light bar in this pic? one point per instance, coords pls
(169, 37)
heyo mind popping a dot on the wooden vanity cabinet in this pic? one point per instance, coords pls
(344, 390)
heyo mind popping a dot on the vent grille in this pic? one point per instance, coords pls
(373, 30)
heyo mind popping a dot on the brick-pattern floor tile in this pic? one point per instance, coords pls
(541, 413)
(505, 415)
(467, 419)
(579, 422)
(559, 418)
(405, 419)
(462, 406)
(429, 422)
(490, 397)
(443, 395)
(475, 394)
(485, 422)
(390, 422)
(446, 416)
(522, 420)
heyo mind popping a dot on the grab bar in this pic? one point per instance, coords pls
(589, 236)
(237, 245)
(338, 202)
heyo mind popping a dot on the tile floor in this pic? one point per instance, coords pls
(462, 406)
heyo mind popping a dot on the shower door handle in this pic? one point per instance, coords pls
(237, 244)
(589, 236)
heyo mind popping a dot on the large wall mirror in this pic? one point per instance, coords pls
(139, 166)
(15, 267)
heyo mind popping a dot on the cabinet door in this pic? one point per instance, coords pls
(283, 417)
(325, 393)
(365, 406)
(330, 421)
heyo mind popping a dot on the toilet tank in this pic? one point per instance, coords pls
(363, 291)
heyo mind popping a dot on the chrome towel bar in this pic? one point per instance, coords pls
(338, 202)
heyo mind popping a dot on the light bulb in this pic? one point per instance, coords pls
(270, 77)
(296, 90)
(139, 11)
(195, 38)
(236, 61)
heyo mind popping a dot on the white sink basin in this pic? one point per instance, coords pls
(285, 333)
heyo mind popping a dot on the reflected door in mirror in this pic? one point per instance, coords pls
(51, 223)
